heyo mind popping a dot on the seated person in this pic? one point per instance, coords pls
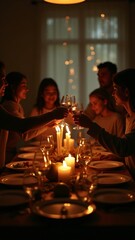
(15, 92)
(106, 116)
(124, 95)
(48, 98)
(105, 73)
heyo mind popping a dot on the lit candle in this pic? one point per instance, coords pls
(70, 161)
(58, 140)
(61, 135)
(68, 136)
(67, 140)
(64, 172)
(71, 144)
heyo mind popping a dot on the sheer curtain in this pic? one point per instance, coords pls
(74, 40)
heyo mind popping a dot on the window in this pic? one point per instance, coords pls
(74, 41)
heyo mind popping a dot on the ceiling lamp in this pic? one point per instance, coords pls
(64, 1)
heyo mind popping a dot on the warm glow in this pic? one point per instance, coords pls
(64, 1)
(57, 129)
(64, 164)
(67, 129)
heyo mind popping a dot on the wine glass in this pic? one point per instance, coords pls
(85, 152)
(31, 185)
(41, 165)
(47, 144)
(85, 186)
(67, 101)
(77, 109)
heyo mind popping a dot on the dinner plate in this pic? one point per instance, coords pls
(19, 165)
(114, 196)
(27, 156)
(28, 149)
(62, 208)
(9, 198)
(105, 165)
(108, 179)
(13, 179)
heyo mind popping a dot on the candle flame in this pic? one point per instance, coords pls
(64, 164)
(67, 129)
(57, 128)
(62, 125)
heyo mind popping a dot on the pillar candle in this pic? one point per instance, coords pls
(61, 136)
(67, 140)
(64, 172)
(70, 161)
(59, 140)
(71, 144)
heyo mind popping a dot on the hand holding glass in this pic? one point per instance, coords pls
(77, 109)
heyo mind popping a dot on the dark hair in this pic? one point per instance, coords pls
(126, 79)
(101, 93)
(2, 65)
(112, 67)
(40, 103)
(13, 79)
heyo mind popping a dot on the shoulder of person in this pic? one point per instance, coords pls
(34, 111)
(10, 105)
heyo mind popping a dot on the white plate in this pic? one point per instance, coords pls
(62, 208)
(9, 198)
(105, 165)
(20, 165)
(112, 179)
(114, 196)
(13, 179)
(28, 149)
(27, 156)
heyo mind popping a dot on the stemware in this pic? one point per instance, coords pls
(47, 144)
(85, 186)
(41, 165)
(77, 109)
(67, 101)
(85, 152)
(31, 185)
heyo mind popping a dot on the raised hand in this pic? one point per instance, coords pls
(82, 120)
(60, 112)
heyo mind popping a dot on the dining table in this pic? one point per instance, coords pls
(109, 220)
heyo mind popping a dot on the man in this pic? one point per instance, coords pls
(106, 71)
